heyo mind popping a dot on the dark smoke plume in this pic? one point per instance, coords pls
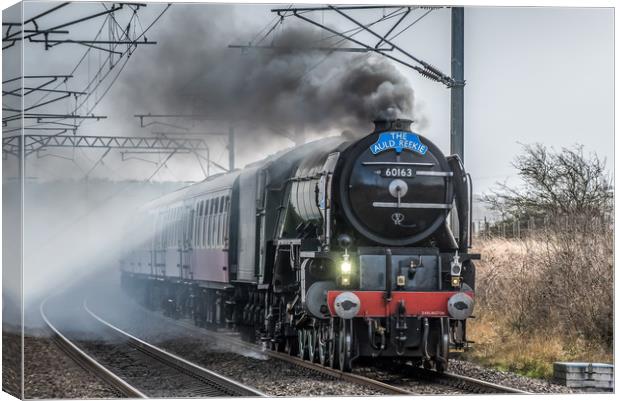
(192, 70)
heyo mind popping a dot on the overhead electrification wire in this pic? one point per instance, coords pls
(273, 23)
(80, 61)
(99, 81)
(341, 42)
(412, 24)
(396, 13)
(125, 54)
(77, 65)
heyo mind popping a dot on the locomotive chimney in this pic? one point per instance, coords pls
(395, 125)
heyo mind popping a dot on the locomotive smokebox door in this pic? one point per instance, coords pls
(395, 186)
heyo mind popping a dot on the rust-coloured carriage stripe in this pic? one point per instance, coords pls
(417, 303)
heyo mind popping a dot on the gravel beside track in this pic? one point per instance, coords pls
(50, 373)
(11, 361)
(508, 379)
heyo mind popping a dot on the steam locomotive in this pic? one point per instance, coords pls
(333, 251)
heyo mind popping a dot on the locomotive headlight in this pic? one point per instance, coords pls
(345, 267)
(345, 270)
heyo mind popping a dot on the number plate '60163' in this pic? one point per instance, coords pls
(398, 172)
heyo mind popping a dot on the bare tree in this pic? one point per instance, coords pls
(565, 183)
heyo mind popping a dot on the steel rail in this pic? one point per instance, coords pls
(484, 386)
(87, 362)
(178, 362)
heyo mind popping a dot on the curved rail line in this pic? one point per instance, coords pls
(155, 362)
(208, 384)
(87, 362)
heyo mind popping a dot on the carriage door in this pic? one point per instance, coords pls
(188, 229)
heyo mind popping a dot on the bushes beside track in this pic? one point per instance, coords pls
(545, 298)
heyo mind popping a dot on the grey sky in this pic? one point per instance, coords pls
(533, 75)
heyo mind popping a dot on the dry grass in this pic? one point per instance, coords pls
(544, 299)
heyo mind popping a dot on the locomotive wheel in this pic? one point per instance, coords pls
(290, 346)
(311, 336)
(301, 343)
(280, 346)
(332, 345)
(345, 345)
(440, 365)
(322, 350)
(441, 358)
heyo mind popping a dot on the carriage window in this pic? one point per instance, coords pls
(207, 224)
(192, 229)
(216, 234)
(174, 227)
(220, 223)
(216, 224)
(179, 225)
(180, 217)
(177, 231)
(171, 228)
(158, 230)
(210, 223)
(167, 228)
(196, 225)
(226, 220)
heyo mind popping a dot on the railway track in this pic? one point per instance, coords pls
(461, 383)
(466, 384)
(87, 362)
(469, 384)
(137, 369)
